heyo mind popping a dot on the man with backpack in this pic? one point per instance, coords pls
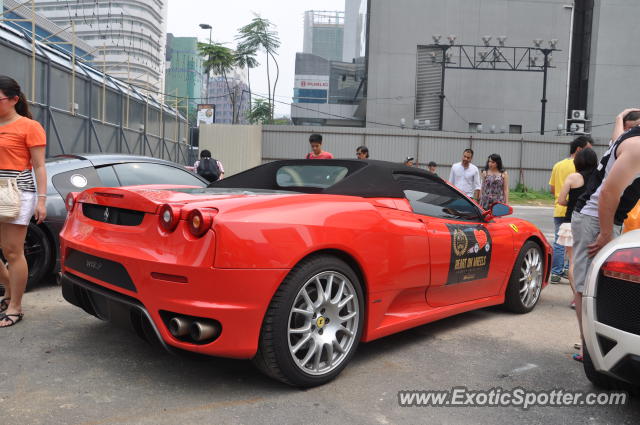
(209, 168)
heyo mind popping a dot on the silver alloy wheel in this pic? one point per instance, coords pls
(530, 278)
(323, 323)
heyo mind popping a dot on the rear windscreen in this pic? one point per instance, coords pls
(319, 176)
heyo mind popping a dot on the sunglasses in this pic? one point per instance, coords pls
(3, 98)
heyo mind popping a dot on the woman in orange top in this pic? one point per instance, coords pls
(22, 147)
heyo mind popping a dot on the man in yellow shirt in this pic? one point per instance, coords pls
(558, 175)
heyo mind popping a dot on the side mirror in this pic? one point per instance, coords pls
(499, 210)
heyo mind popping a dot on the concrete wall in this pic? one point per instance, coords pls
(495, 98)
(528, 158)
(615, 64)
(238, 147)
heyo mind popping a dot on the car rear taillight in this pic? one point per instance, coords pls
(169, 217)
(70, 201)
(623, 264)
(199, 221)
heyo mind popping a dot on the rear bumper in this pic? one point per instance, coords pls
(237, 299)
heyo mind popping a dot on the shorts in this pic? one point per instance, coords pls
(27, 208)
(585, 229)
(565, 237)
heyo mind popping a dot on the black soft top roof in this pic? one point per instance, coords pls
(365, 178)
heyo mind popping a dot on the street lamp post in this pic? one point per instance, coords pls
(545, 67)
(494, 58)
(210, 28)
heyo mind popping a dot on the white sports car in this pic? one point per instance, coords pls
(611, 315)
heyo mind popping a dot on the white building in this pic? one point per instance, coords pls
(219, 96)
(129, 35)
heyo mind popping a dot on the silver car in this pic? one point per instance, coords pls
(611, 315)
(75, 173)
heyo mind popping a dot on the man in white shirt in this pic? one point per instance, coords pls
(465, 176)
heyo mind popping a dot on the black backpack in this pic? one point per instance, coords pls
(208, 168)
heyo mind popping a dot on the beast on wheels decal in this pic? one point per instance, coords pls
(470, 253)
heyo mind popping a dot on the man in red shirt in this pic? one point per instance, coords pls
(315, 140)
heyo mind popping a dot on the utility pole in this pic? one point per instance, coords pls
(545, 66)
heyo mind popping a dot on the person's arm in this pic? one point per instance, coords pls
(618, 126)
(477, 185)
(552, 179)
(566, 187)
(221, 168)
(506, 187)
(40, 171)
(623, 172)
(451, 175)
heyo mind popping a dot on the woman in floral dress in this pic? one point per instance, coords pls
(495, 183)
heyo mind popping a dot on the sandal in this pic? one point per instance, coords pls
(577, 357)
(577, 346)
(4, 304)
(9, 318)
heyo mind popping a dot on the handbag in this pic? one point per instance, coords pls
(9, 199)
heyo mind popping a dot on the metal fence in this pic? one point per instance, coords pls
(84, 110)
(528, 158)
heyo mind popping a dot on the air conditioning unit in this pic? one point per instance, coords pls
(577, 114)
(577, 128)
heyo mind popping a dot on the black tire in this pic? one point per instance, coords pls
(513, 300)
(602, 380)
(39, 254)
(276, 358)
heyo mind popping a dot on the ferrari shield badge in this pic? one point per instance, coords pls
(470, 253)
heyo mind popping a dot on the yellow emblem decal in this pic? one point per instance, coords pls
(320, 322)
(460, 242)
(514, 227)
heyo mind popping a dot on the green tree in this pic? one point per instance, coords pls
(246, 58)
(220, 60)
(260, 113)
(260, 34)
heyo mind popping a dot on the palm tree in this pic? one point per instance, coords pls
(259, 35)
(260, 113)
(246, 57)
(219, 60)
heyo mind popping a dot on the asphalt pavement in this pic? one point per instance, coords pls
(62, 366)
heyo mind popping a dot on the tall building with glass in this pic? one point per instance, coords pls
(184, 76)
(324, 34)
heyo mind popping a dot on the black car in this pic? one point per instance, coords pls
(75, 173)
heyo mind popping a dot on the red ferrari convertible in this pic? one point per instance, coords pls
(293, 263)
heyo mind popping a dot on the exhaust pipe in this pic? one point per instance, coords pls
(200, 331)
(179, 326)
